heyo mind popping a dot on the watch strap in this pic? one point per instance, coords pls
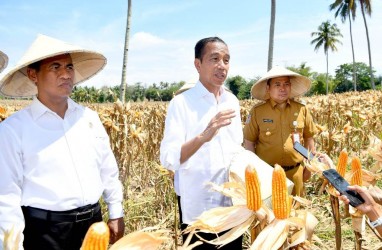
(376, 223)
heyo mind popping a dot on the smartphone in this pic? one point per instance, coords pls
(303, 151)
(341, 185)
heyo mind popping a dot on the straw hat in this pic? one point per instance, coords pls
(187, 86)
(3, 61)
(299, 84)
(86, 64)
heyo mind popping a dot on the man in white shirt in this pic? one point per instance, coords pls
(203, 131)
(55, 157)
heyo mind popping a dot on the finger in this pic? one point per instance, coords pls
(226, 113)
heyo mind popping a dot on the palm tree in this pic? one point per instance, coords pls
(366, 8)
(125, 54)
(346, 10)
(271, 34)
(327, 36)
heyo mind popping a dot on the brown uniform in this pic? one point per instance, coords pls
(271, 128)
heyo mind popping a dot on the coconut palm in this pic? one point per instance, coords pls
(271, 34)
(125, 53)
(366, 8)
(346, 10)
(327, 36)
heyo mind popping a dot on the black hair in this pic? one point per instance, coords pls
(35, 66)
(201, 44)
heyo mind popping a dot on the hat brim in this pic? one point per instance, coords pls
(299, 84)
(188, 86)
(86, 64)
(3, 61)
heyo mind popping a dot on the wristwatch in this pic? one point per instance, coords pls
(376, 223)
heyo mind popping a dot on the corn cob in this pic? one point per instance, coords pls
(280, 199)
(97, 237)
(342, 162)
(356, 178)
(252, 185)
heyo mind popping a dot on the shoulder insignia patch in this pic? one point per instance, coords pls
(248, 119)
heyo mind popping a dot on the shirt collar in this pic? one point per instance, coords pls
(273, 103)
(38, 109)
(203, 92)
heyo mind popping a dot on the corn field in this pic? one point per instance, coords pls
(345, 121)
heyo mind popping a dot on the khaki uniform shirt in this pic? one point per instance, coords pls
(271, 128)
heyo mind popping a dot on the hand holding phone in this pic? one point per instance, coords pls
(341, 185)
(303, 151)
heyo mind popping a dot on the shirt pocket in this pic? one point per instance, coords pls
(268, 130)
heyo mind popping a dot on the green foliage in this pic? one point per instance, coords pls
(245, 90)
(344, 74)
(327, 36)
(319, 84)
(303, 69)
(234, 83)
(238, 85)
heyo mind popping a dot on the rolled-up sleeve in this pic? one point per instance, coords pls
(310, 127)
(174, 136)
(11, 215)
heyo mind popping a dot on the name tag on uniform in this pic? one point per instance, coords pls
(267, 120)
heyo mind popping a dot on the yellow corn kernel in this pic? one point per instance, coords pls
(356, 168)
(281, 203)
(252, 185)
(342, 162)
(97, 237)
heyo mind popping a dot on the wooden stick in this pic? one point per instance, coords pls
(337, 220)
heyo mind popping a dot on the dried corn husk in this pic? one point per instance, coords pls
(141, 240)
(12, 239)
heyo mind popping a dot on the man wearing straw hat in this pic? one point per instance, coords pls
(55, 157)
(275, 124)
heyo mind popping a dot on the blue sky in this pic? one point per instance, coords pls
(164, 32)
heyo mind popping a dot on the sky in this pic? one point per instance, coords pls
(164, 32)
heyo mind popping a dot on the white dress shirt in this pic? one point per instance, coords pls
(55, 164)
(188, 115)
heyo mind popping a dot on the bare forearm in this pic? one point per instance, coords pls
(375, 213)
(309, 144)
(249, 145)
(189, 148)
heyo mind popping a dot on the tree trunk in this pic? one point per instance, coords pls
(352, 49)
(125, 54)
(327, 72)
(368, 47)
(271, 34)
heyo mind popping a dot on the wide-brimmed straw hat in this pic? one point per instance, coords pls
(86, 64)
(187, 86)
(299, 84)
(3, 61)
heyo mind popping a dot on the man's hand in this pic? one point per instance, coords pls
(221, 119)
(117, 229)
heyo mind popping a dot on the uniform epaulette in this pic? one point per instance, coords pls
(259, 103)
(302, 102)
